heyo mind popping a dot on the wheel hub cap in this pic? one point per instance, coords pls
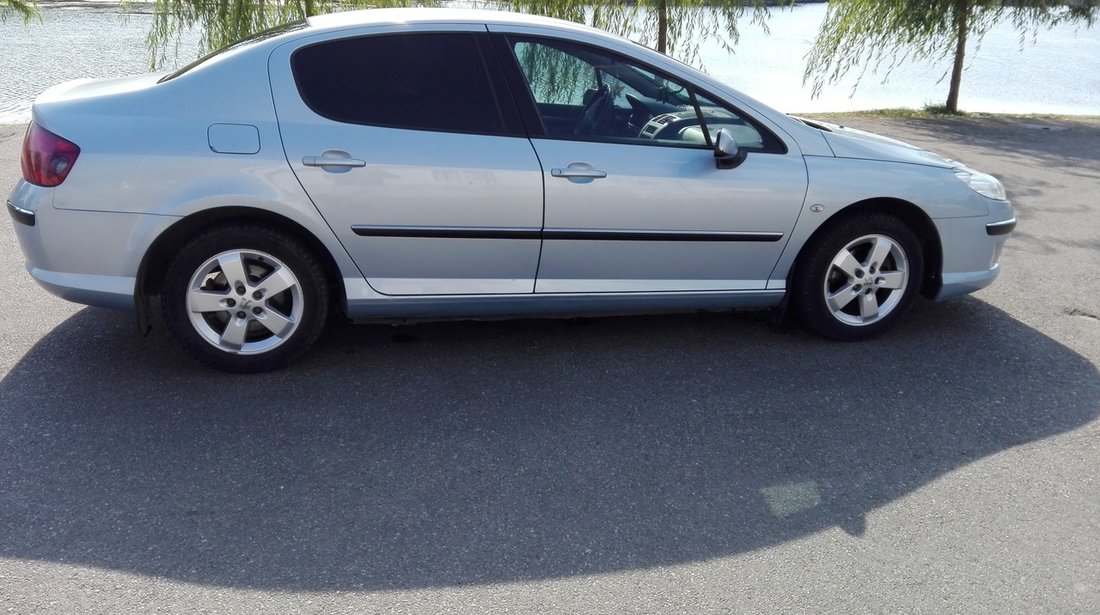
(866, 280)
(244, 302)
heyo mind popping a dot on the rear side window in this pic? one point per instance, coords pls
(432, 81)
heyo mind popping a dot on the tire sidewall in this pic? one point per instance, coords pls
(292, 253)
(808, 298)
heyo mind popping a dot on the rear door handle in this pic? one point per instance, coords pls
(579, 172)
(334, 161)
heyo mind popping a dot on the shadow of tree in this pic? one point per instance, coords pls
(456, 453)
(1069, 145)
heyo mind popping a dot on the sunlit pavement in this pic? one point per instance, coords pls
(679, 464)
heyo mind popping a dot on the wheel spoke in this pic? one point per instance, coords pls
(868, 306)
(880, 251)
(847, 263)
(245, 302)
(234, 334)
(278, 281)
(233, 268)
(206, 301)
(841, 298)
(275, 322)
(893, 280)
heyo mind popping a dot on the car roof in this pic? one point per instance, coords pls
(259, 49)
(366, 17)
(424, 15)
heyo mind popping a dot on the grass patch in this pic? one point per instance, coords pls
(943, 110)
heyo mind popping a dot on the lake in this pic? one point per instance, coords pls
(1059, 74)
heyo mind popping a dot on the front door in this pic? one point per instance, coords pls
(634, 201)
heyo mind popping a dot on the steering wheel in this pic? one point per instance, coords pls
(596, 112)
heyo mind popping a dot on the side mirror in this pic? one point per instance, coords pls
(727, 153)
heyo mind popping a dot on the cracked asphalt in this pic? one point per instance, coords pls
(699, 463)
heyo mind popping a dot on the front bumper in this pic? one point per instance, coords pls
(1001, 228)
(972, 250)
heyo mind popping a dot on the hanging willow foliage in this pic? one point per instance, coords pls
(223, 22)
(862, 35)
(675, 27)
(23, 8)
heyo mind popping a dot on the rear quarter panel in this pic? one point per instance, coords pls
(145, 147)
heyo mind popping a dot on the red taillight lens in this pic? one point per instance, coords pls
(47, 158)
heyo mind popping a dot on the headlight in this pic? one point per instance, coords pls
(982, 183)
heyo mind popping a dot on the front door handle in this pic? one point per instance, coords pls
(579, 173)
(334, 161)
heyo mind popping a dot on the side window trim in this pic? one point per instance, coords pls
(517, 86)
(699, 114)
(498, 82)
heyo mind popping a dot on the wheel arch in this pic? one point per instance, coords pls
(154, 264)
(913, 216)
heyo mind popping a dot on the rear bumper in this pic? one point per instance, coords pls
(88, 257)
(20, 215)
(114, 292)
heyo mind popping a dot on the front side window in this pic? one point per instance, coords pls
(554, 76)
(429, 81)
(588, 94)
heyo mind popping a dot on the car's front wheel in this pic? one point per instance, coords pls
(858, 277)
(245, 298)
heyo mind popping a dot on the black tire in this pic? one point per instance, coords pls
(890, 284)
(254, 327)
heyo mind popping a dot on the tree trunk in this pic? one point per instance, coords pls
(662, 26)
(309, 10)
(962, 28)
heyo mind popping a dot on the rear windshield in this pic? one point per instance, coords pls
(244, 42)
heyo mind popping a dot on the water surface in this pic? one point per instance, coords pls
(1060, 74)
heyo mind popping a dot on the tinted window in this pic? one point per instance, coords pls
(418, 81)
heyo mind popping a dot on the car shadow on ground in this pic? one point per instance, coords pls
(447, 454)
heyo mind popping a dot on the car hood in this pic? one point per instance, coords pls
(852, 143)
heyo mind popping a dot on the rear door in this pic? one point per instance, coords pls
(401, 141)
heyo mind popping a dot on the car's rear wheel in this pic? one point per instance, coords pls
(245, 298)
(858, 277)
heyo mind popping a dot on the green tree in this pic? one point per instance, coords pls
(675, 27)
(223, 22)
(880, 34)
(25, 8)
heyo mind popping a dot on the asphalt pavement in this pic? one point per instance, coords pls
(699, 463)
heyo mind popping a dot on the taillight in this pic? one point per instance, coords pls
(47, 158)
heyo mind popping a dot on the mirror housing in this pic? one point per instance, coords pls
(727, 153)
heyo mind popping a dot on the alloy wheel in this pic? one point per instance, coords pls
(244, 302)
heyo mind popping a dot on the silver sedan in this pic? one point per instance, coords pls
(435, 163)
